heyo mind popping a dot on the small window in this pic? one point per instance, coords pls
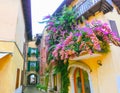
(32, 66)
(114, 27)
(33, 51)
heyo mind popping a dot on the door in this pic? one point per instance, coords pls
(17, 78)
(81, 81)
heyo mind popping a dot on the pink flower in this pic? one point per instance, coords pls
(90, 51)
(66, 55)
(55, 53)
(81, 45)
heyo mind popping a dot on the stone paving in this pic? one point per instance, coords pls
(18, 90)
(32, 89)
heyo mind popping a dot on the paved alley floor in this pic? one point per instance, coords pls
(31, 89)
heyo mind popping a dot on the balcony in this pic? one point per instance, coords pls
(90, 7)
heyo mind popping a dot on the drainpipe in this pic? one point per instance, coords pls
(24, 70)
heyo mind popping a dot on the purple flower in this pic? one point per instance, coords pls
(58, 46)
(51, 23)
(54, 29)
(78, 34)
(96, 22)
(46, 17)
(87, 30)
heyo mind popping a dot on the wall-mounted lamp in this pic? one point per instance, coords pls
(99, 62)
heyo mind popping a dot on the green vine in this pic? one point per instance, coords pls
(62, 68)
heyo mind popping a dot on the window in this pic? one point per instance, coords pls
(114, 27)
(32, 66)
(33, 52)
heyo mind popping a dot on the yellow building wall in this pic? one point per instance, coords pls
(105, 78)
(9, 66)
(5, 75)
(6, 46)
(17, 63)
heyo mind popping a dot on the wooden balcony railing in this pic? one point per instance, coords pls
(90, 7)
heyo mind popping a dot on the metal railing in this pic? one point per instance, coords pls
(81, 8)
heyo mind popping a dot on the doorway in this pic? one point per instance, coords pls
(17, 78)
(81, 81)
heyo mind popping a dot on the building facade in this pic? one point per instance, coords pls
(32, 65)
(13, 37)
(96, 73)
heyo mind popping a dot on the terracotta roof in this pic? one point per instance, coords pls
(27, 16)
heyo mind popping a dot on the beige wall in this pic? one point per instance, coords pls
(20, 28)
(12, 26)
(8, 19)
(32, 44)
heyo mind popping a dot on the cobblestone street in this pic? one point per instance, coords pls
(31, 89)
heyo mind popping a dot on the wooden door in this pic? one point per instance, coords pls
(17, 78)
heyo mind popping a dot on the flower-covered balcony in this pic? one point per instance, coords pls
(90, 7)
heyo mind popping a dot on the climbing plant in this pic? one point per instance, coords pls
(66, 39)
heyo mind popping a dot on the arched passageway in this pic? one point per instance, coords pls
(32, 79)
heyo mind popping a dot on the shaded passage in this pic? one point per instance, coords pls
(32, 89)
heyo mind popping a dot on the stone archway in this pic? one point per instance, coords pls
(72, 68)
(32, 79)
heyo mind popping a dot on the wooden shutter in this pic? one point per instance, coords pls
(29, 51)
(114, 27)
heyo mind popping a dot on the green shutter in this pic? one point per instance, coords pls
(37, 66)
(37, 52)
(28, 66)
(29, 51)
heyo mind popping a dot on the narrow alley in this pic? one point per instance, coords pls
(32, 89)
(76, 51)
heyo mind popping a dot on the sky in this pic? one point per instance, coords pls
(40, 9)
